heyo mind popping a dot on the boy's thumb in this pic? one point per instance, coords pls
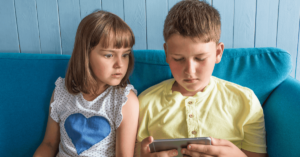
(220, 142)
(145, 144)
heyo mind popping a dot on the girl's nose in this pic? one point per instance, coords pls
(118, 63)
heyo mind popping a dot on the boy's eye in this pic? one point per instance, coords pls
(178, 59)
(200, 59)
(108, 55)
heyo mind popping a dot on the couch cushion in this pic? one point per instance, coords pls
(27, 82)
(260, 69)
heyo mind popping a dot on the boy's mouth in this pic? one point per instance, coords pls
(193, 80)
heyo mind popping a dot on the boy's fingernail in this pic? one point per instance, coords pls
(190, 147)
(174, 153)
(183, 151)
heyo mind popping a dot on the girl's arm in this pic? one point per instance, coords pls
(126, 133)
(252, 154)
(49, 146)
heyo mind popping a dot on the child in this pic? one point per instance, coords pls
(194, 103)
(94, 111)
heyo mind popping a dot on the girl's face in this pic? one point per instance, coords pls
(109, 65)
(191, 62)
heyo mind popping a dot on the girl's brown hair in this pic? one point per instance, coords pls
(97, 28)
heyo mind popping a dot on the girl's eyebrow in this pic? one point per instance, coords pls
(108, 50)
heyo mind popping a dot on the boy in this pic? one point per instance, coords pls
(194, 103)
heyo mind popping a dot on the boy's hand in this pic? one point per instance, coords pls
(219, 148)
(145, 150)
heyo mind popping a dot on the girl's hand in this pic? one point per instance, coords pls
(219, 148)
(145, 150)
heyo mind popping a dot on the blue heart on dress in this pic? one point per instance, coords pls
(86, 132)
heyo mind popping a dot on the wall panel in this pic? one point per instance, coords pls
(28, 26)
(298, 55)
(156, 11)
(115, 6)
(266, 23)
(208, 1)
(49, 29)
(171, 3)
(135, 17)
(69, 16)
(9, 41)
(288, 28)
(49, 26)
(244, 23)
(89, 6)
(226, 10)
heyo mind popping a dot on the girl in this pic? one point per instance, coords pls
(94, 111)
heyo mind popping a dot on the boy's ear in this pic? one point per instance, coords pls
(219, 52)
(165, 48)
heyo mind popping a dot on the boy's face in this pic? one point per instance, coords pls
(191, 62)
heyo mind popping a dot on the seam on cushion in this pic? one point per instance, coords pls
(33, 59)
(154, 63)
(257, 54)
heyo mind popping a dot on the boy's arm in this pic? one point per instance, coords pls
(251, 154)
(49, 146)
(126, 133)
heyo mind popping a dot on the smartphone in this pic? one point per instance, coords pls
(178, 143)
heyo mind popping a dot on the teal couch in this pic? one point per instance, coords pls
(28, 81)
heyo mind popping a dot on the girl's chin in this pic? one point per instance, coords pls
(113, 83)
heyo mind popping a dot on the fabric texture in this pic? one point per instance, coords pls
(88, 128)
(223, 110)
(282, 117)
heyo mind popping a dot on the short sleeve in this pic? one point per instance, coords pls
(254, 128)
(143, 119)
(59, 85)
(121, 97)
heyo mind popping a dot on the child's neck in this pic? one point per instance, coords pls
(91, 97)
(183, 91)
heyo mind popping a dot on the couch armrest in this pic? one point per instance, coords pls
(282, 117)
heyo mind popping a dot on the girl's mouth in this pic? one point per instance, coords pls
(117, 75)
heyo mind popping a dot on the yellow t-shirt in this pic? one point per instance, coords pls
(223, 110)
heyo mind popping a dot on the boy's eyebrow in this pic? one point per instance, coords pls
(201, 54)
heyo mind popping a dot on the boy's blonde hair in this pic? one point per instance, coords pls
(193, 18)
(100, 27)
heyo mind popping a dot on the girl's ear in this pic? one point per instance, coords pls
(165, 48)
(219, 52)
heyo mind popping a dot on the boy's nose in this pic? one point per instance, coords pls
(190, 68)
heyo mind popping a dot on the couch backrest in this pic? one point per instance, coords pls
(28, 82)
(260, 69)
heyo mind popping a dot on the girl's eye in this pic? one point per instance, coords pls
(177, 60)
(125, 55)
(108, 55)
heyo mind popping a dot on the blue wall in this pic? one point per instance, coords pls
(49, 26)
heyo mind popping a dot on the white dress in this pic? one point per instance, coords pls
(88, 128)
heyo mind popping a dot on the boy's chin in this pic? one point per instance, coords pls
(193, 88)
